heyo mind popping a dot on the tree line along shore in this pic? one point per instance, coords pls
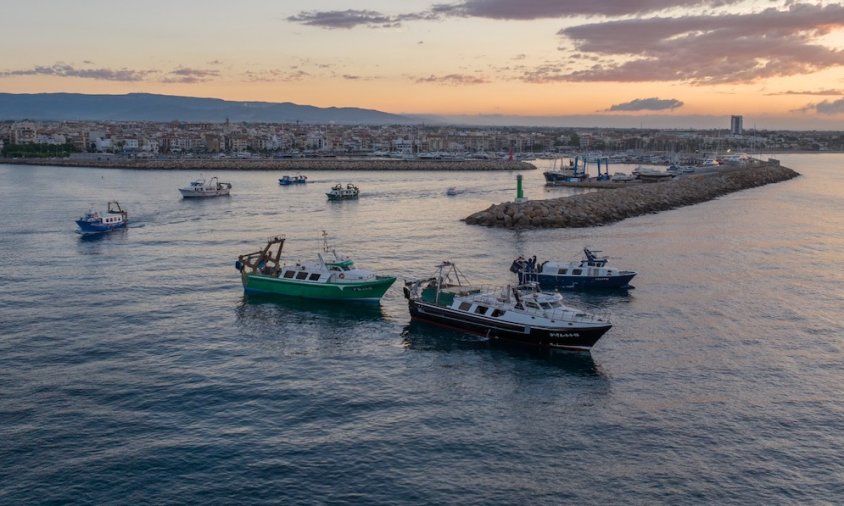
(291, 165)
(612, 205)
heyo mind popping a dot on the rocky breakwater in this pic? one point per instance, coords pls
(608, 206)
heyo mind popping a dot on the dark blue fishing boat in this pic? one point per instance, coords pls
(591, 273)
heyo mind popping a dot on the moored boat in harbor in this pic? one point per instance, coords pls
(200, 188)
(590, 273)
(520, 315)
(574, 172)
(94, 222)
(335, 278)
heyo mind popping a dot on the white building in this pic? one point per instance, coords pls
(24, 133)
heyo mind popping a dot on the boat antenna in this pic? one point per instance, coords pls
(325, 241)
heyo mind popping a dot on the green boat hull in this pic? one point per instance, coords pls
(364, 291)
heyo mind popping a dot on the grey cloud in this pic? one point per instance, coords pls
(275, 75)
(705, 49)
(538, 9)
(647, 104)
(834, 107)
(189, 75)
(495, 9)
(452, 80)
(352, 18)
(826, 107)
(808, 92)
(66, 70)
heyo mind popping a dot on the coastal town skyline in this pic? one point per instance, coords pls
(663, 64)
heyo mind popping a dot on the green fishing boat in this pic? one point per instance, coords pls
(333, 277)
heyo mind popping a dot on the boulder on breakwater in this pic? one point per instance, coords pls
(285, 164)
(608, 206)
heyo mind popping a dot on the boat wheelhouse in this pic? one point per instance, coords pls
(333, 278)
(521, 315)
(94, 222)
(591, 273)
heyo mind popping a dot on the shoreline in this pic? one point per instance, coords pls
(613, 205)
(290, 165)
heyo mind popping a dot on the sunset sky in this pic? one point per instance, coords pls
(777, 63)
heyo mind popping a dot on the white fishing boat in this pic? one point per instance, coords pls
(200, 188)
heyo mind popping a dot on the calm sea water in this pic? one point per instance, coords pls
(134, 370)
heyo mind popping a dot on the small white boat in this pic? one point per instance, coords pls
(621, 177)
(200, 188)
(452, 191)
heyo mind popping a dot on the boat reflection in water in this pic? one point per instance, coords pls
(290, 310)
(423, 336)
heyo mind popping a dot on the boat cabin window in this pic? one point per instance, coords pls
(314, 277)
(532, 305)
(497, 313)
(577, 272)
(301, 275)
(481, 309)
(464, 306)
(563, 271)
(288, 274)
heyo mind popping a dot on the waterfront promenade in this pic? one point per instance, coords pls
(612, 205)
(284, 164)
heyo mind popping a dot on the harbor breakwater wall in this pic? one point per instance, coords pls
(611, 205)
(285, 164)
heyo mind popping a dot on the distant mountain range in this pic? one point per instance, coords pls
(150, 107)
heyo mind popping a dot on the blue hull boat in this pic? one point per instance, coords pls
(582, 282)
(591, 273)
(95, 223)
